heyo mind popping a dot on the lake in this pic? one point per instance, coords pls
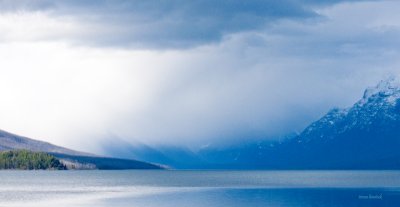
(148, 188)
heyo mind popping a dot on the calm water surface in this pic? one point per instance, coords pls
(199, 188)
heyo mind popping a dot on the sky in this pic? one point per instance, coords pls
(76, 72)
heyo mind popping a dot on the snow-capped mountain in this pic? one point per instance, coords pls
(378, 109)
(366, 135)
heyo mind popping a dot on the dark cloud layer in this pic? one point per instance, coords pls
(166, 24)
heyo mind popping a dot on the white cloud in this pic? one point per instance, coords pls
(25, 26)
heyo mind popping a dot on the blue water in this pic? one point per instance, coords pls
(199, 188)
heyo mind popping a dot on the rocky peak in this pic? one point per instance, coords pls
(387, 90)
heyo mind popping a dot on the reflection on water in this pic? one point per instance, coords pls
(199, 188)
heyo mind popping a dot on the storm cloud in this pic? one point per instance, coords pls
(163, 24)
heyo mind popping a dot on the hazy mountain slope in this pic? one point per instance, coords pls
(9, 141)
(250, 155)
(169, 156)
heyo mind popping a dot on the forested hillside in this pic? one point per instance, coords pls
(27, 160)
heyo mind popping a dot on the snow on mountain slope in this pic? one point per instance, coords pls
(379, 109)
